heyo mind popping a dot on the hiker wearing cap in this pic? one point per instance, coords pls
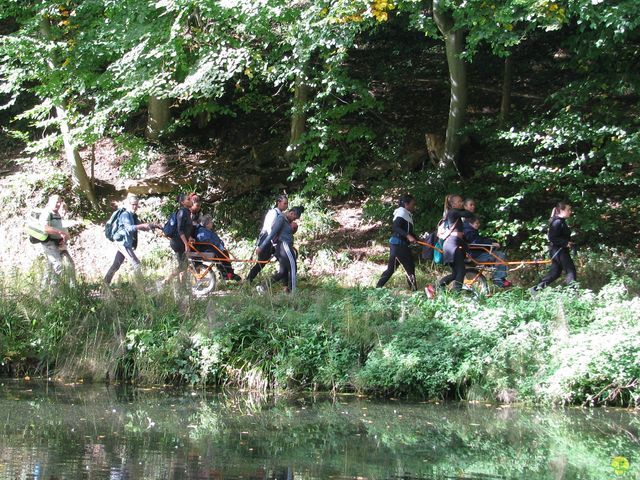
(55, 245)
(125, 238)
(402, 237)
(264, 254)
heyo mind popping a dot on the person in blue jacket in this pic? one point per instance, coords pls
(126, 238)
(560, 246)
(402, 237)
(472, 236)
(207, 240)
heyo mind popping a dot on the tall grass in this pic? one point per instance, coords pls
(567, 346)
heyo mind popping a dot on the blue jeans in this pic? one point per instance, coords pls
(500, 272)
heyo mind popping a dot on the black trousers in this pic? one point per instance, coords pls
(457, 270)
(399, 254)
(560, 260)
(263, 256)
(287, 271)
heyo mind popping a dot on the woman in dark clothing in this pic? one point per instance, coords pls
(399, 242)
(179, 243)
(454, 244)
(282, 234)
(560, 245)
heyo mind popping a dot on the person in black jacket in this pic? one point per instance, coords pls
(180, 242)
(560, 245)
(399, 242)
(454, 244)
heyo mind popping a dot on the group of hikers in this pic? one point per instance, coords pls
(458, 237)
(187, 229)
(191, 232)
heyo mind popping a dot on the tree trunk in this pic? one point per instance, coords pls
(454, 41)
(158, 116)
(505, 102)
(79, 177)
(298, 115)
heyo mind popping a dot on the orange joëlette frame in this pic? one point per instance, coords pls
(223, 257)
(498, 260)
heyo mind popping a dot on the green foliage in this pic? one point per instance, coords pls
(563, 346)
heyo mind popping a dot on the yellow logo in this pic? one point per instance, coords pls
(620, 465)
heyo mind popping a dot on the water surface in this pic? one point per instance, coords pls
(51, 431)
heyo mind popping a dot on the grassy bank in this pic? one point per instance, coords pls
(563, 346)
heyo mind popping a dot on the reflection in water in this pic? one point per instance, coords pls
(96, 432)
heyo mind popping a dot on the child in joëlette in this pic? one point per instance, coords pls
(473, 237)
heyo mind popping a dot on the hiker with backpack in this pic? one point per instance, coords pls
(179, 228)
(122, 229)
(265, 253)
(451, 233)
(400, 241)
(53, 237)
(560, 245)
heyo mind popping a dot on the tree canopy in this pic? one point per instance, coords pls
(102, 67)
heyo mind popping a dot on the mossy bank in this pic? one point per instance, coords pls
(562, 346)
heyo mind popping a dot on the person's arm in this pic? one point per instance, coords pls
(471, 235)
(45, 217)
(216, 240)
(127, 222)
(275, 230)
(182, 221)
(556, 234)
(400, 227)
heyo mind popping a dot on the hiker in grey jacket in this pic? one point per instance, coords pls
(282, 235)
(264, 254)
(126, 238)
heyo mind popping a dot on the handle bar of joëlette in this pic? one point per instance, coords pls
(222, 256)
(516, 264)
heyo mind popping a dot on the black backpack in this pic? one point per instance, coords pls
(111, 227)
(170, 228)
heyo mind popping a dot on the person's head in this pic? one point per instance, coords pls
(294, 213)
(184, 200)
(54, 203)
(132, 203)
(407, 201)
(469, 205)
(562, 210)
(196, 204)
(452, 201)
(474, 222)
(282, 202)
(207, 222)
